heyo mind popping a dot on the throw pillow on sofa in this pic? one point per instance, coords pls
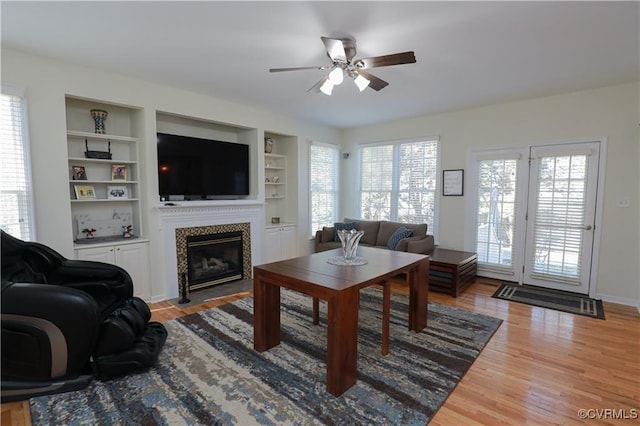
(398, 235)
(348, 226)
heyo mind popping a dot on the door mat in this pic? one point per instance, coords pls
(552, 299)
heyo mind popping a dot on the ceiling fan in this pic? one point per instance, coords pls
(341, 51)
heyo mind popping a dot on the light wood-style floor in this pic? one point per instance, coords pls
(541, 366)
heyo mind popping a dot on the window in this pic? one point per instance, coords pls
(323, 178)
(398, 182)
(16, 203)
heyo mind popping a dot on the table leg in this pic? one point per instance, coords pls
(386, 305)
(342, 341)
(418, 296)
(266, 313)
(316, 311)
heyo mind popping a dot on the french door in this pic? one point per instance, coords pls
(560, 228)
(535, 214)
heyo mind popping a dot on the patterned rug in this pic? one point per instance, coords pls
(208, 372)
(552, 299)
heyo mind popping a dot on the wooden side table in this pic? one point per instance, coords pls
(452, 271)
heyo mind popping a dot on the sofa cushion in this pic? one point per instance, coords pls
(387, 229)
(370, 228)
(419, 229)
(398, 235)
(328, 233)
(347, 226)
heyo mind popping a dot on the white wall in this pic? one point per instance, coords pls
(610, 112)
(48, 81)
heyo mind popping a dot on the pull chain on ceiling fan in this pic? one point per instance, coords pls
(341, 51)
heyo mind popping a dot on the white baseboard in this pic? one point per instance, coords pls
(619, 300)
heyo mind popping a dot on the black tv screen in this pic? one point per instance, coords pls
(201, 168)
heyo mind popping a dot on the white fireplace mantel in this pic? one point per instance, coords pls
(194, 214)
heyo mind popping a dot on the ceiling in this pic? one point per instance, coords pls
(468, 53)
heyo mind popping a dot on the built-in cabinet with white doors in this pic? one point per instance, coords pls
(104, 189)
(132, 257)
(280, 243)
(280, 189)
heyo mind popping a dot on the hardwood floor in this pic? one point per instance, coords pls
(541, 366)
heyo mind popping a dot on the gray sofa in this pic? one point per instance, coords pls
(377, 234)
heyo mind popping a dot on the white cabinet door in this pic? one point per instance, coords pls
(271, 252)
(288, 242)
(279, 244)
(97, 254)
(133, 258)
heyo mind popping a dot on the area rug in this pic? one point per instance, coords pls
(552, 299)
(209, 373)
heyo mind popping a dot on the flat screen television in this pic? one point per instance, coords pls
(195, 169)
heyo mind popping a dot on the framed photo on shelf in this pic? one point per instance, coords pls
(118, 172)
(118, 192)
(452, 182)
(79, 173)
(85, 192)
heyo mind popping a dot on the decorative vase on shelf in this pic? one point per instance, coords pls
(268, 145)
(99, 117)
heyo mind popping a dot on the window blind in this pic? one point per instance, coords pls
(323, 177)
(496, 214)
(16, 203)
(398, 182)
(376, 182)
(560, 217)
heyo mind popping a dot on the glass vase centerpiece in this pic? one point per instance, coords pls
(349, 240)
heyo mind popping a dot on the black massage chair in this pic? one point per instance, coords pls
(65, 322)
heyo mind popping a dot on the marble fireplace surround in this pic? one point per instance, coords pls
(199, 215)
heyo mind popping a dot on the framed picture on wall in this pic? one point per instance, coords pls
(452, 182)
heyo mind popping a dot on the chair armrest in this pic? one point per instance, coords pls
(324, 235)
(41, 258)
(317, 240)
(96, 278)
(421, 246)
(42, 322)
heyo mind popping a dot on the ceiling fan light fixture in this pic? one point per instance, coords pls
(336, 76)
(361, 82)
(327, 87)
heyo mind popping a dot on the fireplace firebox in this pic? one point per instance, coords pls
(214, 259)
(212, 255)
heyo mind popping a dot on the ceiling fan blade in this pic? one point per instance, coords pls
(297, 69)
(335, 49)
(387, 60)
(316, 87)
(375, 83)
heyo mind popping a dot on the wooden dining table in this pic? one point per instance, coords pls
(340, 287)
